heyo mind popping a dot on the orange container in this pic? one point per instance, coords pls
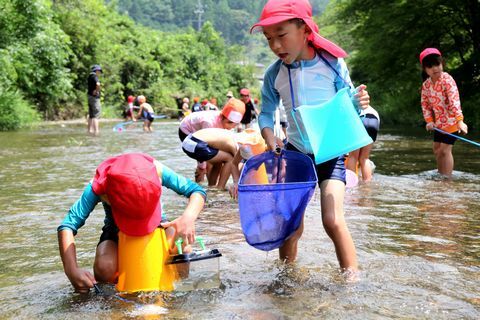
(142, 263)
(251, 143)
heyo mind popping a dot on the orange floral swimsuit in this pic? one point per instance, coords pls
(441, 103)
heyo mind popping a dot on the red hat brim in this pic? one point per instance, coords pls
(316, 39)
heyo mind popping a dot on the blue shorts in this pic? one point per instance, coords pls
(332, 169)
(198, 149)
(372, 124)
(443, 138)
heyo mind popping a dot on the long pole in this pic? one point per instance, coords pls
(458, 137)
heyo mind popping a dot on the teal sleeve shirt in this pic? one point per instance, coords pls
(81, 209)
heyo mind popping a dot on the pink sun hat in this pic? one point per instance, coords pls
(276, 11)
(427, 52)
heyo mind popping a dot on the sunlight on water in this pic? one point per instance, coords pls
(417, 237)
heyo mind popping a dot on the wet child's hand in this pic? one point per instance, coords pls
(429, 126)
(82, 280)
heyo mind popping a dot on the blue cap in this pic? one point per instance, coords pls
(96, 67)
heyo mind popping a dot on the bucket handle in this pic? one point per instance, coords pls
(179, 243)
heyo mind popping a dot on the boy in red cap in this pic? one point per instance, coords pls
(129, 187)
(250, 109)
(129, 110)
(441, 108)
(310, 69)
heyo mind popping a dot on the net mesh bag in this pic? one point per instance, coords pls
(273, 192)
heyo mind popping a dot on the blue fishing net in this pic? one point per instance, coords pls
(273, 192)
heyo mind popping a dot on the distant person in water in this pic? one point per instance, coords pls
(208, 106)
(250, 109)
(129, 109)
(441, 108)
(186, 107)
(197, 106)
(93, 94)
(146, 112)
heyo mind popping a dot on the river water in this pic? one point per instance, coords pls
(417, 236)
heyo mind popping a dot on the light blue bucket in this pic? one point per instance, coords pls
(334, 127)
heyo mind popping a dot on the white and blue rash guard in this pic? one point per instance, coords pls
(313, 81)
(81, 209)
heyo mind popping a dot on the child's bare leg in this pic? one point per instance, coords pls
(213, 173)
(445, 159)
(224, 175)
(90, 126)
(332, 193)
(288, 251)
(436, 147)
(352, 160)
(364, 164)
(105, 266)
(222, 158)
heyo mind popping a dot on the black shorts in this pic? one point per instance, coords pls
(182, 135)
(443, 138)
(110, 232)
(372, 124)
(94, 107)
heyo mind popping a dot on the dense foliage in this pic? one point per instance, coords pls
(47, 49)
(385, 38)
(232, 18)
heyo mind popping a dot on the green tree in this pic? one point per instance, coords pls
(386, 38)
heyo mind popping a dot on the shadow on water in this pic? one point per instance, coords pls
(417, 237)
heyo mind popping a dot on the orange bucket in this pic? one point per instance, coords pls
(142, 263)
(251, 144)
